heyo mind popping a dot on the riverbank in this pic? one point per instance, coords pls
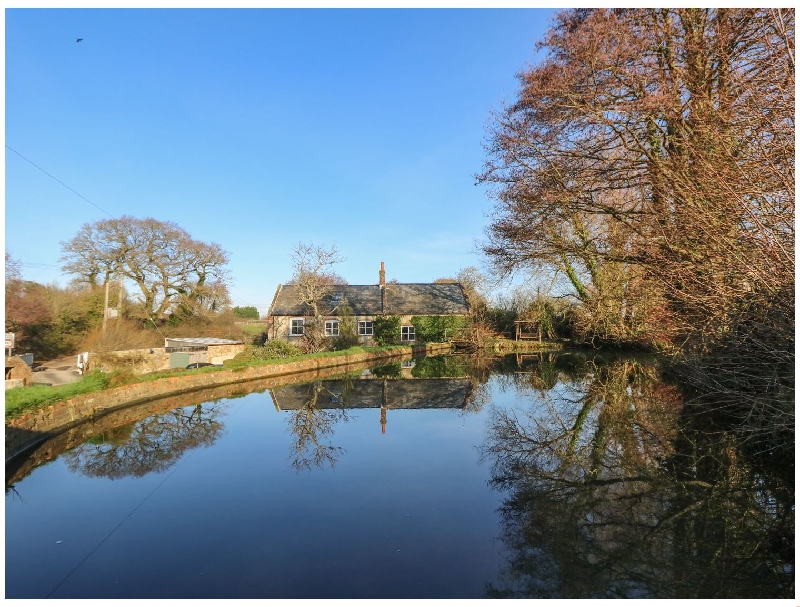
(29, 428)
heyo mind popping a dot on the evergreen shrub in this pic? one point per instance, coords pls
(437, 329)
(386, 330)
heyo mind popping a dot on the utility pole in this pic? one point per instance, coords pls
(119, 299)
(105, 308)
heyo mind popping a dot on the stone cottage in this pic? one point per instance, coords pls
(288, 313)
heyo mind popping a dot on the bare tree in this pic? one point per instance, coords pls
(13, 269)
(173, 271)
(649, 158)
(313, 275)
(474, 283)
(27, 309)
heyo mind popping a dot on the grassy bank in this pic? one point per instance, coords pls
(30, 398)
(19, 400)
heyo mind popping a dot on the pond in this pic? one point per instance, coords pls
(557, 475)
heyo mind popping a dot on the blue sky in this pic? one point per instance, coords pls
(258, 129)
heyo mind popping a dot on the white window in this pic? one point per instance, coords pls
(298, 326)
(407, 333)
(332, 328)
(365, 327)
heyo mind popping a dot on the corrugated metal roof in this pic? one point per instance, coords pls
(365, 300)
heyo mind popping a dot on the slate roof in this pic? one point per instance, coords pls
(419, 299)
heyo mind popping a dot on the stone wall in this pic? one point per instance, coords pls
(281, 325)
(18, 373)
(144, 360)
(32, 427)
(217, 354)
(148, 360)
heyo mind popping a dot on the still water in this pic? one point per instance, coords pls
(548, 476)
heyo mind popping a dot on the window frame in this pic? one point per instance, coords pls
(405, 330)
(293, 325)
(363, 325)
(334, 326)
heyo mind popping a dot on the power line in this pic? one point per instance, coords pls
(59, 181)
(39, 266)
(122, 522)
(48, 267)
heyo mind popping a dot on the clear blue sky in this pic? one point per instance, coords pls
(261, 128)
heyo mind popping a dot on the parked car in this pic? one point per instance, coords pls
(198, 365)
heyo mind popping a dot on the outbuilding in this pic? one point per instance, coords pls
(18, 372)
(186, 350)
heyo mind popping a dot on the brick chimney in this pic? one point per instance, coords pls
(382, 287)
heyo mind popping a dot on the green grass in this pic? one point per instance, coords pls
(31, 398)
(253, 329)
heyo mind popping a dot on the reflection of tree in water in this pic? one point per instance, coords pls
(152, 444)
(536, 373)
(312, 418)
(479, 394)
(311, 426)
(607, 498)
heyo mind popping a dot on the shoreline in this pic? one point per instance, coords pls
(32, 428)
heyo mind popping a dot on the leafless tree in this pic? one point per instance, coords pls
(26, 304)
(313, 275)
(173, 271)
(650, 159)
(13, 268)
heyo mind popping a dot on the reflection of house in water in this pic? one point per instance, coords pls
(383, 394)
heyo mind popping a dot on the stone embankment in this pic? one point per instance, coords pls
(31, 428)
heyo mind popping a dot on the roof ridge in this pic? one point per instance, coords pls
(387, 284)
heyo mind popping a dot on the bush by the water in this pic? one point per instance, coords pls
(437, 329)
(269, 351)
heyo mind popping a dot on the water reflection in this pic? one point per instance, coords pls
(311, 424)
(152, 444)
(151, 437)
(616, 489)
(609, 484)
(115, 422)
(315, 408)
